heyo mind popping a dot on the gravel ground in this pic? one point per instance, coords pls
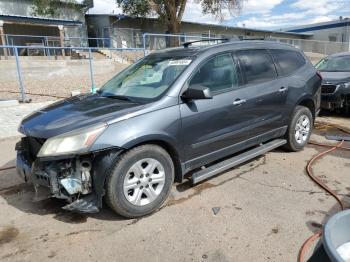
(11, 116)
(46, 90)
(264, 211)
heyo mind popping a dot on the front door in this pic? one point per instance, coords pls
(211, 125)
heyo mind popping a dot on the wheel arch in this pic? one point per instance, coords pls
(168, 145)
(309, 103)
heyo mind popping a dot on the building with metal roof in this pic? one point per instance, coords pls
(18, 22)
(333, 31)
(126, 31)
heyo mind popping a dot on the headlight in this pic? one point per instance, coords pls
(345, 85)
(78, 141)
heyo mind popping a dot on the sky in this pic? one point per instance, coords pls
(262, 14)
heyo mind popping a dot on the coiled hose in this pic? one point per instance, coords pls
(306, 245)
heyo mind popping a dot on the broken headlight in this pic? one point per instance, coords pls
(78, 141)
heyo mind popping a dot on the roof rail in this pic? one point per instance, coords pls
(187, 44)
(234, 38)
(252, 38)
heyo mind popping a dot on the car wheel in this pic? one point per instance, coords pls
(140, 181)
(299, 129)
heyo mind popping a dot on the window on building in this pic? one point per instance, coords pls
(332, 38)
(257, 65)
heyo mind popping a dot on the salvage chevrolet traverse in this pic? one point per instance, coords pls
(181, 113)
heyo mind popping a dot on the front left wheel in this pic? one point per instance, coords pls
(140, 181)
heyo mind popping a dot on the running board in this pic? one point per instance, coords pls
(235, 161)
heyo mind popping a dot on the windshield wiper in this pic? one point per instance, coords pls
(120, 97)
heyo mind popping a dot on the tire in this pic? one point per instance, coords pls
(294, 144)
(140, 181)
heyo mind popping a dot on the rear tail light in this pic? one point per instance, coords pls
(319, 74)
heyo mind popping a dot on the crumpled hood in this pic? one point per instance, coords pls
(335, 77)
(76, 112)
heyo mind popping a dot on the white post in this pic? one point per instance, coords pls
(3, 40)
(60, 28)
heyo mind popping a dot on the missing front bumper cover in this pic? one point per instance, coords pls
(84, 205)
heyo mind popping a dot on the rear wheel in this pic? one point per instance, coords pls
(140, 181)
(299, 129)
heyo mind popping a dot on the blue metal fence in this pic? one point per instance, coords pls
(15, 51)
(53, 52)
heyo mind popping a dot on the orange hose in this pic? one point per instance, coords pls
(327, 145)
(319, 182)
(317, 235)
(307, 245)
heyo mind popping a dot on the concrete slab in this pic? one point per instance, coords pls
(6, 103)
(268, 207)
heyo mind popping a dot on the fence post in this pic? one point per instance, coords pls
(47, 50)
(93, 88)
(3, 37)
(144, 44)
(19, 73)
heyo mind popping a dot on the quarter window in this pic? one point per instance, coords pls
(219, 73)
(287, 61)
(257, 65)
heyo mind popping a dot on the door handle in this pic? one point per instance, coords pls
(238, 102)
(283, 89)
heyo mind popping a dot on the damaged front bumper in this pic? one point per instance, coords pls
(72, 178)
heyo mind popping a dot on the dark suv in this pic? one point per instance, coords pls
(335, 71)
(193, 111)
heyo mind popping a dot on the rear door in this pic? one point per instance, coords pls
(291, 70)
(266, 93)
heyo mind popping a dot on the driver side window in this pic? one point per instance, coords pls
(218, 74)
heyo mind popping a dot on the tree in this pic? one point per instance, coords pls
(51, 8)
(171, 11)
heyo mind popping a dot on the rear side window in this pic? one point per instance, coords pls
(257, 65)
(218, 74)
(287, 61)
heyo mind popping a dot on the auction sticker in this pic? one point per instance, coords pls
(180, 62)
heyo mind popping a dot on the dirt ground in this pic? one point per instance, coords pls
(47, 90)
(265, 209)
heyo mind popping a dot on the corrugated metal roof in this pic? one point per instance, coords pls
(122, 16)
(38, 20)
(318, 26)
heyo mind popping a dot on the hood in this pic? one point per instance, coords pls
(335, 77)
(76, 112)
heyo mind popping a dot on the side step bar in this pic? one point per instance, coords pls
(236, 160)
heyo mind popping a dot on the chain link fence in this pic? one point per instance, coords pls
(36, 75)
(318, 47)
(44, 70)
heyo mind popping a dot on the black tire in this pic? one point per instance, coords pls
(292, 143)
(115, 197)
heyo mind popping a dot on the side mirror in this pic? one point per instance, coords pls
(197, 92)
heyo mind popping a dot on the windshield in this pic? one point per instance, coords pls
(146, 80)
(334, 64)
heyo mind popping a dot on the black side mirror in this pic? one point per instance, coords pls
(197, 92)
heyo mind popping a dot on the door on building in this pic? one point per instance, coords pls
(106, 36)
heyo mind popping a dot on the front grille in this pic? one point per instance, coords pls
(32, 145)
(328, 89)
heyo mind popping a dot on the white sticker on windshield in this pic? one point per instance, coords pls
(180, 62)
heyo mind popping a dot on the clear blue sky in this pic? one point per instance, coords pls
(267, 14)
